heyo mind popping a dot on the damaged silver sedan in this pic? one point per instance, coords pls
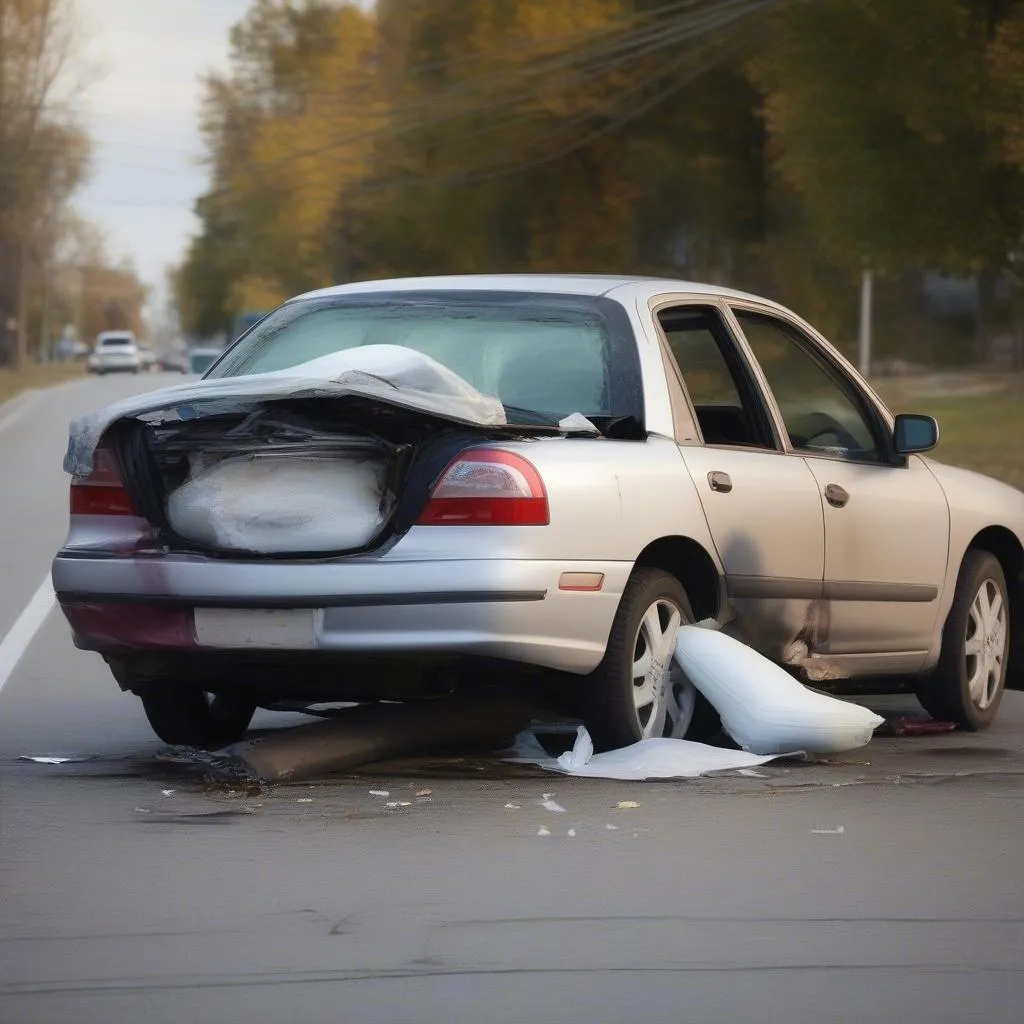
(397, 489)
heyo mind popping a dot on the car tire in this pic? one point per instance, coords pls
(187, 716)
(623, 702)
(968, 682)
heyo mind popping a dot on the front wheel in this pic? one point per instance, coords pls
(187, 716)
(638, 691)
(968, 681)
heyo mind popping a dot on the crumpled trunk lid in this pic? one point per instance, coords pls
(333, 457)
(309, 478)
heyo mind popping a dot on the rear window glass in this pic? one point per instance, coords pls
(120, 340)
(549, 354)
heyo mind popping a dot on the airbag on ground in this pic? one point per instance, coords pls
(762, 707)
(648, 759)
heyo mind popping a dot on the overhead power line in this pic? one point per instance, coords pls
(572, 69)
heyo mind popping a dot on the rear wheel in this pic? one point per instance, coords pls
(968, 681)
(190, 717)
(638, 692)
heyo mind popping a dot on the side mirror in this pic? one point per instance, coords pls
(913, 433)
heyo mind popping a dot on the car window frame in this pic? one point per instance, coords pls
(625, 380)
(754, 380)
(878, 418)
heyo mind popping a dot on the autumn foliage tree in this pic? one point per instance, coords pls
(764, 143)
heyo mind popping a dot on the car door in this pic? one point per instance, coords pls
(762, 505)
(886, 518)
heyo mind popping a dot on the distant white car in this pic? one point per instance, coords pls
(201, 359)
(115, 352)
(147, 358)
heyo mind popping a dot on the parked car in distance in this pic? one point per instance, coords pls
(201, 359)
(170, 362)
(115, 352)
(735, 466)
(147, 358)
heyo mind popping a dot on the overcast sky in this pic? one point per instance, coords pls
(142, 112)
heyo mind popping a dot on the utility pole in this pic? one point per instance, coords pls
(864, 341)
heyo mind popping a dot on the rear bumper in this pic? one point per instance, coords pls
(508, 609)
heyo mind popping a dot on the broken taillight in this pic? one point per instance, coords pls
(102, 492)
(488, 487)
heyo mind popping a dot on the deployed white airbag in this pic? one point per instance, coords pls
(762, 707)
(282, 505)
(648, 759)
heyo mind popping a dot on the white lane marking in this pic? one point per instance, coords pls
(15, 643)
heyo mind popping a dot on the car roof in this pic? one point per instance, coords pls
(555, 284)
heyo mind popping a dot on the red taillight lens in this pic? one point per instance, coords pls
(102, 493)
(488, 487)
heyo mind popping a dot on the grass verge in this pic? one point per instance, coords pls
(981, 420)
(36, 375)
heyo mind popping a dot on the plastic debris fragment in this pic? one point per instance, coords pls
(552, 805)
(379, 792)
(915, 727)
(626, 805)
(577, 423)
(542, 831)
(48, 759)
(837, 831)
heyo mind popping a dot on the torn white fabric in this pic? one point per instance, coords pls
(762, 707)
(390, 374)
(648, 759)
(577, 423)
(284, 505)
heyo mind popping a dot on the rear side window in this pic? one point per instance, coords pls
(728, 407)
(550, 355)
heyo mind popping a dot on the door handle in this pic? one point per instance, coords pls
(836, 496)
(720, 481)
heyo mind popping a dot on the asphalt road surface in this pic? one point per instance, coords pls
(884, 886)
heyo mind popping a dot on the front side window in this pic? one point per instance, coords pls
(821, 411)
(545, 354)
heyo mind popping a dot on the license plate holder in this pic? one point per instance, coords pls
(257, 628)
